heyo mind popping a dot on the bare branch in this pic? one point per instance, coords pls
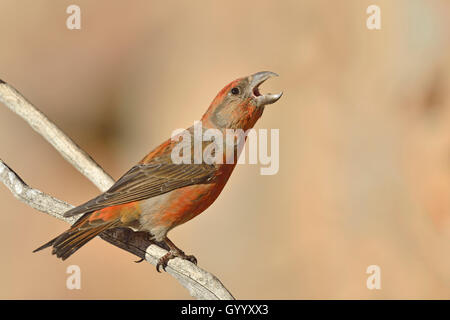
(200, 283)
(62, 143)
(32, 197)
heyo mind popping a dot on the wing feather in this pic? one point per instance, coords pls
(148, 180)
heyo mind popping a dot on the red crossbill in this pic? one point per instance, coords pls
(157, 194)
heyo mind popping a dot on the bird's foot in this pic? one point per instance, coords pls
(162, 262)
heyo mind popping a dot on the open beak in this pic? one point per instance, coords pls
(255, 81)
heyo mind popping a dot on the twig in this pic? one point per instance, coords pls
(62, 143)
(200, 283)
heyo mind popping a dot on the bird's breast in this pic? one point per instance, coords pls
(164, 212)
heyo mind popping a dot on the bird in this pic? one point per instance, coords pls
(158, 194)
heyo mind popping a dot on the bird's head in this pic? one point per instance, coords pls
(240, 104)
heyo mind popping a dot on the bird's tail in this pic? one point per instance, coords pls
(73, 239)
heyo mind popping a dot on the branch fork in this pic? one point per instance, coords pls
(200, 283)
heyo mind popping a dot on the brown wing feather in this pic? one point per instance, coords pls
(144, 181)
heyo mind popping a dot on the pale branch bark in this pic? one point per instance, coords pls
(200, 283)
(61, 142)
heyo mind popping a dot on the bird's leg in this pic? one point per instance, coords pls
(173, 253)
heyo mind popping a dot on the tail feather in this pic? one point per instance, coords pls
(46, 245)
(69, 246)
(73, 239)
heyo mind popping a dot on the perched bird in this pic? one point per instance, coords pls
(157, 194)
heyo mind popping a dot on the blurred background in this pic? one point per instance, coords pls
(364, 125)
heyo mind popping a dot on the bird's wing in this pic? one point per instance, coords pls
(144, 181)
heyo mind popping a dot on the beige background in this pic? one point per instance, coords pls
(364, 141)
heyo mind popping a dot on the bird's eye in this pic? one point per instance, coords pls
(235, 91)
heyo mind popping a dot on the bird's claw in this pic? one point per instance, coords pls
(191, 258)
(162, 262)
